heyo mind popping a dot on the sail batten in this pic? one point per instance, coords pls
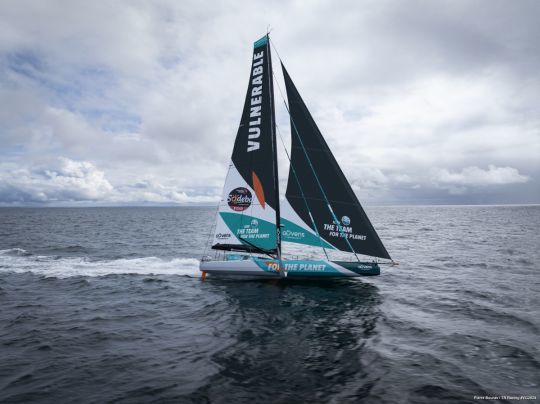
(319, 194)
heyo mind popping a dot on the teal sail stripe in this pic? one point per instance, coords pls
(257, 232)
(261, 42)
(293, 233)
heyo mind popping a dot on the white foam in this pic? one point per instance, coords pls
(18, 260)
(14, 251)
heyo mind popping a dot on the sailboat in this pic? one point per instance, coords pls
(320, 208)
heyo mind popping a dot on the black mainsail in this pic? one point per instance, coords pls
(248, 216)
(319, 200)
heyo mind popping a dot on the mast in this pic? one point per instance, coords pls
(274, 151)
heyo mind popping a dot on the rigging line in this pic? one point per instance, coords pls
(274, 47)
(290, 162)
(216, 212)
(212, 230)
(312, 168)
(342, 233)
(281, 93)
(302, 191)
(317, 178)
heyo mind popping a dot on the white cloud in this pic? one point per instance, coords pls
(475, 176)
(151, 93)
(154, 192)
(66, 180)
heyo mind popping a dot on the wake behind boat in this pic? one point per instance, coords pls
(320, 207)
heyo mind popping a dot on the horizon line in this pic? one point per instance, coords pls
(197, 205)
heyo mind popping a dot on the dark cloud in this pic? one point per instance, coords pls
(420, 100)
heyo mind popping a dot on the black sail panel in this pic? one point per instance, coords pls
(249, 207)
(317, 185)
(254, 146)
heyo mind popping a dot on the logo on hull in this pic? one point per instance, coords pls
(272, 265)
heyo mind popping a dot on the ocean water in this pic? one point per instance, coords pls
(106, 305)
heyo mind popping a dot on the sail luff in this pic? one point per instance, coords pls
(274, 148)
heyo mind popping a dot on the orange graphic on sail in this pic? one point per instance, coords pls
(258, 188)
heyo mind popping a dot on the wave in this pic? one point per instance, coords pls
(15, 252)
(19, 260)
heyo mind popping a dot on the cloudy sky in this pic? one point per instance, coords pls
(137, 102)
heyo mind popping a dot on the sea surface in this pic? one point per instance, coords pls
(106, 305)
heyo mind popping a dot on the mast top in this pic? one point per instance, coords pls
(261, 42)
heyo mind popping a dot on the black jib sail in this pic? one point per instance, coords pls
(249, 207)
(320, 200)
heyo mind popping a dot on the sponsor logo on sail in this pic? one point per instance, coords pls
(222, 236)
(293, 234)
(239, 199)
(254, 222)
(343, 230)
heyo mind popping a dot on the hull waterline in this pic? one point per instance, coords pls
(269, 268)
